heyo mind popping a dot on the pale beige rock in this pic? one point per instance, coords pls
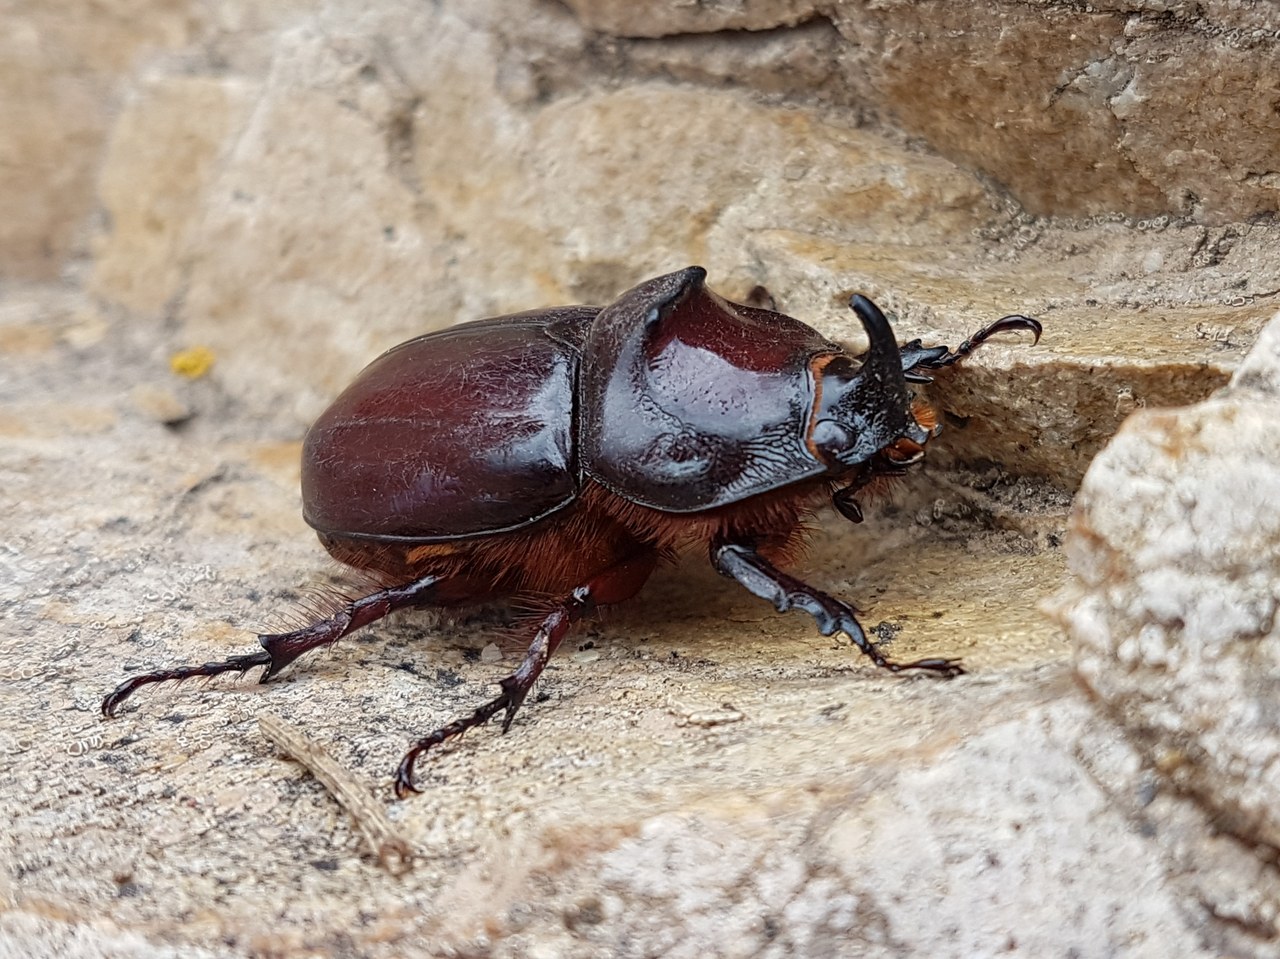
(1015, 94)
(1126, 112)
(1259, 372)
(60, 936)
(159, 165)
(392, 229)
(1175, 552)
(679, 16)
(179, 824)
(160, 403)
(300, 186)
(60, 69)
(1204, 125)
(421, 230)
(1129, 109)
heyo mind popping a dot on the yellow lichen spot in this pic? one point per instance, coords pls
(192, 363)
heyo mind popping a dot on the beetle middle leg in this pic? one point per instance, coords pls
(281, 649)
(615, 584)
(760, 577)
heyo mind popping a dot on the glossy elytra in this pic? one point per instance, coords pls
(555, 457)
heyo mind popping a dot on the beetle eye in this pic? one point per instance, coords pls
(830, 438)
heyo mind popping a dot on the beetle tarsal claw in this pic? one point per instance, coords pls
(513, 696)
(404, 777)
(831, 615)
(404, 772)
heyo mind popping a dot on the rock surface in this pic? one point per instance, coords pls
(285, 190)
(1175, 547)
(1165, 108)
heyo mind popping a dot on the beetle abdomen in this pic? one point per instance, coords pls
(452, 434)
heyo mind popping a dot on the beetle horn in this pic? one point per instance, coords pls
(882, 362)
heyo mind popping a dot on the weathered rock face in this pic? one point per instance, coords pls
(1146, 108)
(299, 186)
(1175, 546)
(65, 70)
(1136, 108)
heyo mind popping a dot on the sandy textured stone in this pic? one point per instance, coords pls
(160, 403)
(161, 158)
(715, 780)
(65, 70)
(930, 851)
(1258, 375)
(1175, 549)
(300, 186)
(663, 19)
(391, 230)
(338, 198)
(60, 70)
(402, 230)
(1143, 108)
(57, 935)
(1129, 112)
(178, 823)
(1215, 162)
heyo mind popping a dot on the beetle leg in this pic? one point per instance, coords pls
(843, 498)
(514, 687)
(615, 584)
(763, 579)
(280, 649)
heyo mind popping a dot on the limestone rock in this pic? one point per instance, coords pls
(948, 848)
(1141, 108)
(1175, 547)
(589, 827)
(162, 155)
(400, 230)
(303, 221)
(297, 186)
(61, 67)
(663, 19)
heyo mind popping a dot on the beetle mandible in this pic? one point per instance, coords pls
(555, 457)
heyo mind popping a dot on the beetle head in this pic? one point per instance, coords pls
(863, 408)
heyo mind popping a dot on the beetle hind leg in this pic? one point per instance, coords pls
(763, 579)
(281, 649)
(613, 585)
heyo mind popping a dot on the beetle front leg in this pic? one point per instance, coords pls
(614, 585)
(763, 579)
(280, 649)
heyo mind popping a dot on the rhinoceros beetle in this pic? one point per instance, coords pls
(555, 457)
